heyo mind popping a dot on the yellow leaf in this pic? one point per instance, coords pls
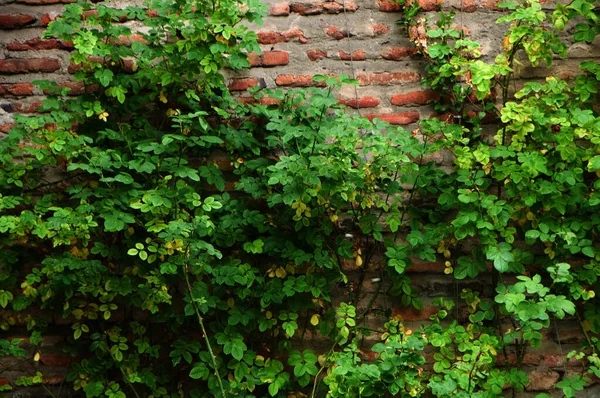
(36, 357)
(162, 97)
(321, 360)
(230, 302)
(314, 320)
(280, 272)
(448, 270)
(268, 315)
(359, 261)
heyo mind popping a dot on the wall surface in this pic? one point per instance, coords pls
(299, 39)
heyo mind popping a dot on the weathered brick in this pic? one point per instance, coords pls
(307, 8)
(76, 88)
(530, 359)
(358, 55)
(560, 361)
(364, 102)
(389, 6)
(13, 66)
(411, 314)
(400, 118)
(4, 381)
(419, 265)
(49, 17)
(5, 127)
(332, 7)
(125, 65)
(15, 21)
(261, 101)
(280, 10)
(430, 5)
(415, 98)
(44, 2)
(284, 37)
(297, 81)
(315, 55)
(39, 44)
(337, 34)
(386, 78)
(242, 84)
(52, 380)
(380, 29)
(16, 89)
(269, 58)
(275, 58)
(397, 53)
(542, 380)
(56, 360)
(18, 107)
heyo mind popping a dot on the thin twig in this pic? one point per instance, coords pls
(201, 322)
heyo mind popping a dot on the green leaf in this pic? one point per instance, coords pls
(501, 255)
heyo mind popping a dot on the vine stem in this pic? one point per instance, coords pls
(126, 378)
(201, 322)
(316, 383)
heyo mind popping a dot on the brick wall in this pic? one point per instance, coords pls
(299, 40)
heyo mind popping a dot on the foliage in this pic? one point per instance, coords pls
(195, 241)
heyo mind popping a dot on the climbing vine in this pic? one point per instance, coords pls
(198, 245)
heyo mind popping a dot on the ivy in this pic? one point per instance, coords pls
(196, 242)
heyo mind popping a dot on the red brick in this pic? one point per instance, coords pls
(47, 18)
(16, 89)
(297, 81)
(44, 2)
(39, 44)
(52, 380)
(136, 37)
(332, 7)
(76, 88)
(386, 78)
(380, 29)
(55, 360)
(430, 5)
(13, 66)
(415, 98)
(315, 8)
(560, 360)
(3, 381)
(337, 34)
(242, 84)
(364, 102)
(542, 380)
(125, 65)
(315, 55)
(254, 59)
(397, 53)
(275, 58)
(401, 118)
(261, 101)
(276, 37)
(528, 360)
(419, 265)
(18, 107)
(280, 10)
(269, 58)
(389, 6)
(473, 5)
(5, 127)
(14, 21)
(89, 13)
(271, 38)
(358, 55)
(411, 314)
